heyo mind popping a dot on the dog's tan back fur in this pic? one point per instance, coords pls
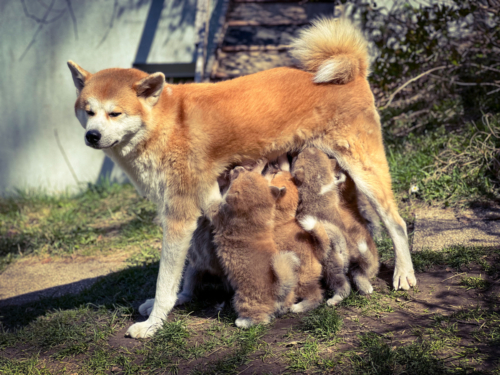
(289, 236)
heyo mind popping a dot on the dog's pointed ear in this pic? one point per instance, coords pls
(150, 88)
(79, 74)
(299, 176)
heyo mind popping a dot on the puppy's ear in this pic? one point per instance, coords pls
(277, 192)
(340, 177)
(236, 172)
(299, 176)
(149, 89)
(79, 74)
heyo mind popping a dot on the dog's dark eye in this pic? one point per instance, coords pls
(115, 114)
(90, 113)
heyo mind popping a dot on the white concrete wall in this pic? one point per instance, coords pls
(36, 89)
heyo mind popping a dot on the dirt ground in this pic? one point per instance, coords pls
(435, 228)
(442, 310)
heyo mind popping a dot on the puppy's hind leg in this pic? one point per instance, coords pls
(191, 277)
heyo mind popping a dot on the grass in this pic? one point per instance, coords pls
(378, 357)
(449, 168)
(103, 219)
(82, 333)
(323, 322)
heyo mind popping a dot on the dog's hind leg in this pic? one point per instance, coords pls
(364, 158)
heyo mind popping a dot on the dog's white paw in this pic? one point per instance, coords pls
(308, 223)
(335, 300)
(243, 322)
(183, 298)
(146, 308)
(403, 278)
(297, 308)
(143, 329)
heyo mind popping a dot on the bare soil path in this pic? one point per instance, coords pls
(28, 281)
(437, 228)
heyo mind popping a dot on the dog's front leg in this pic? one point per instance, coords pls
(177, 233)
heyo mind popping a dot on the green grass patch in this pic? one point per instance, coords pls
(458, 257)
(323, 322)
(245, 343)
(474, 283)
(379, 357)
(102, 219)
(28, 366)
(453, 168)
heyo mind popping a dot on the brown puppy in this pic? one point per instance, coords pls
(329, 209)
(288, 235)
(262, 277)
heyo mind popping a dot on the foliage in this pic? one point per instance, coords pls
(436, 79)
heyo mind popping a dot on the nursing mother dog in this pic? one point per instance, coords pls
(173, 141)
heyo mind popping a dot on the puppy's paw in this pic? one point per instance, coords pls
(244, 323)
(146, 308)
(183, 298)
(143, 329)
(298, 308)
(308, 223)
(335, 300)
(404, 278)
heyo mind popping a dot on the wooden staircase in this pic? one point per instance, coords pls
(256, 35)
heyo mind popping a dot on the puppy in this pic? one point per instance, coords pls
(263, 278)
(329, 210)
(288, 235)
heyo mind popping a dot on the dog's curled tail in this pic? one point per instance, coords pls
(334, 49)
(285, 266)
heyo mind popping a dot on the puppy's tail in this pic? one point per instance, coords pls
(334, 49)
(285, 265)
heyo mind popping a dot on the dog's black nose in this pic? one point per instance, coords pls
(93, 137)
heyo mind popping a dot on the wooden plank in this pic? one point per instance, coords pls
(260, 35)
(274, 14)
(267, 1)
(244, 48)
(266, 23)
(232, 65)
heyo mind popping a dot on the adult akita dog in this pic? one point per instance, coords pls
(173, 141)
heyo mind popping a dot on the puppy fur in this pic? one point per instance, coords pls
(329, 210)
(289, 235)
(263, 278)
